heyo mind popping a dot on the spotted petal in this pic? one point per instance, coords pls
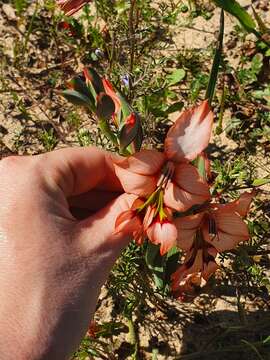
(70, 7)
(190, 134)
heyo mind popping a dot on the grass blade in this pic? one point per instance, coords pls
(235, 9)
(216, 63)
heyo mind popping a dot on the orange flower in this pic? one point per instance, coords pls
(219, 227)
(165, 180)
(70, 7)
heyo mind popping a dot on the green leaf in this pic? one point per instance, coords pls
(176, 76)
(235, 9)
(260, 182)
(200, 164)
(76, 98)
(216, 63)
(95, 79)
(79, 85)
(263, 28)
(175, 107)
(105, 106)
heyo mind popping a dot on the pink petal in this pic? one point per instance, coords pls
(197, 265)
(190, 134)
(144, 162)
(209, 269)
(187, 177)
(231, 223)
(179, 199)
(188, 222)
(127, 222)
(222, 241)
(164, 234)
(242, 205)
(71, 6)
(186, 229)
(135, 183)
(149, 216)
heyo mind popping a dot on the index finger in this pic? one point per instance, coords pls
(78, 170)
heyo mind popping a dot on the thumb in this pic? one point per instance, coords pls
(96, 236)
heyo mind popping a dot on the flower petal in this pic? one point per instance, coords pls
(179, 199)
(145, 162)
(135, 183)
(222, 241)
(164, 234)
(186, 229)
(190, 134)
(71, 6)
(230, 223)
(242, 205)
(127, 222)
(209, 269)
(187, 177)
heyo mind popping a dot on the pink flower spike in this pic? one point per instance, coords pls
(70, 7)
(190, 134)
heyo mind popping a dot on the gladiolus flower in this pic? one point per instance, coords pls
(166, 180)
(70, 7)
(148, 170)
(219, 227)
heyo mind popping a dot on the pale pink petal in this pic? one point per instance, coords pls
(135, 183)
(190, 222)
(181, 200)
(186, 230)
(164, 234)
(230, 223)
(242, 205)
(222, 241)
(127, 222)
(185, 239)
(187, 178)
(149, 216)
(144, 162)
(190, 134)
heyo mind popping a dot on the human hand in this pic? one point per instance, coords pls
(52, 265)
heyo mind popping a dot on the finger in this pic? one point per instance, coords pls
(96, 233)
(78, 170)
(93, 200)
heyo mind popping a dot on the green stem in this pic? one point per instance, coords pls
(105, 128)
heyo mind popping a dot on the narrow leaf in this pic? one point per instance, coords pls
(263, 28)
(130, 131)
(76, 98)
(260, 182)
(92, 76)
(216, 63)
(105, 106)
(79, 85)
(235, 9)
